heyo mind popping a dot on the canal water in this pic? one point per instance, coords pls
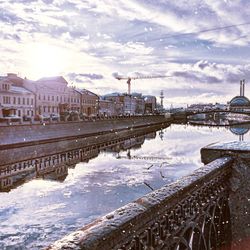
(37, 212)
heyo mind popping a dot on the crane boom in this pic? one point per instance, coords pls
(138, 77)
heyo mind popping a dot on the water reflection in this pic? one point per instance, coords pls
(44, 204)
(238, 128)
(55, 167)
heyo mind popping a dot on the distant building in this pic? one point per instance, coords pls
(240, 103)
(89, 102)
(132, 104)
(106, 107)
(201, 106)
(126, 102)
(117, 100)
(150, 104)
(75, 96)
(140, 103)
(52, 95)
(14, 98)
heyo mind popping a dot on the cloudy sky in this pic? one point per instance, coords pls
(204, 45)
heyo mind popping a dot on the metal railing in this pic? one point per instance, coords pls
(192, 213)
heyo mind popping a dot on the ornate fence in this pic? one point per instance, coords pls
(192, 213)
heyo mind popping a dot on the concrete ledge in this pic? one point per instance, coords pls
(237, 149)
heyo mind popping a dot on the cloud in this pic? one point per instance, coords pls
(201, 44)
(9, 17)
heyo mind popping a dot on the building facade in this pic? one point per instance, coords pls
(89, 102)
(150, 104)
(14, 98)
(52, 95)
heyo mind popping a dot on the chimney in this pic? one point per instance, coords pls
(243, 87)
(240, 88)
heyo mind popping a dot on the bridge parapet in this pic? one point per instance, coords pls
(239, 196)
(196, 212)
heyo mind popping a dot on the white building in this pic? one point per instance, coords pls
(52, 95)
(14, 98)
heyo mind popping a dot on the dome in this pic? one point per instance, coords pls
(240, 101)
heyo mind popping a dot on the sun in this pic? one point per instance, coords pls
(46, 60)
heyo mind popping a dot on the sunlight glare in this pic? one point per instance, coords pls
(47, 60)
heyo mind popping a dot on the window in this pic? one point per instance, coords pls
(32, 101)
(53, 98)
(19, 100)
(57, 98)
(14, 100)
(6, 100)
(39, 97)
(23, 101)
(44, 97)
(49, 109)
(5, 86)
(28, 101)
(48, 98)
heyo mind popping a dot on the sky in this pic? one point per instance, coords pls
(202, 45)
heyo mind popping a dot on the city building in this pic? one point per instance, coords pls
(240, 102)
(117, 100)
(14, 98)
(89, 102)
(106, 107)
(140, 103)
(75, 98)
(124, 103)
(150, 104)
(52, 95)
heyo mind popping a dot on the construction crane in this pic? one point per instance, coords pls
(137, 77)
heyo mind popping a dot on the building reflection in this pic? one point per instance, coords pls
(55, 167)
(235, 127)
(240, 131)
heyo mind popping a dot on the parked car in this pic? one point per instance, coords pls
(42, 118)
(10, 118)
(27, 118)
(54, 117)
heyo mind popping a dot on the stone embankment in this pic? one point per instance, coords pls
(31, 134)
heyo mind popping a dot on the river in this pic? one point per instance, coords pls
(39, 211)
